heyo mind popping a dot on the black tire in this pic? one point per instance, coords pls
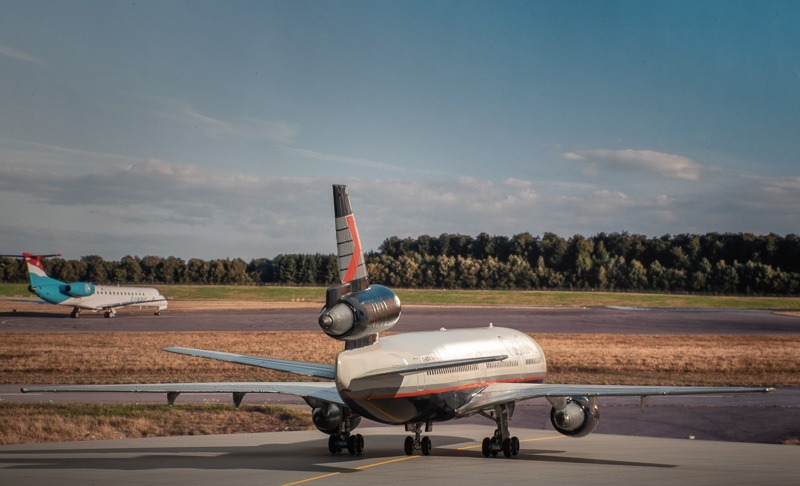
(409, 445)
(333, 444)
(507, 447)
(351, 444)
(514, 446)
(427, 446)
(486, 447)
(359, 443)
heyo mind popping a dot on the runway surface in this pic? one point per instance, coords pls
(418, 318)
(289, 458)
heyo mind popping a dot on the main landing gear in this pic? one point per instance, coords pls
(418, 443)
(502, 440)
(353, 443)
(344, 440)
(109, 313)
(75, 313)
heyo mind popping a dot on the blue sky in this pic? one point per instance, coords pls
(215, 129)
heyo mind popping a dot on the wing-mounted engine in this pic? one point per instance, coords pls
(328, 417)
(574, 416)
(79, 289)
(352, 313)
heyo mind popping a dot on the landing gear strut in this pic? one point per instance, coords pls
(502, 440)
(344, 440)
(75, 313)
(110, 313)
(418, 443)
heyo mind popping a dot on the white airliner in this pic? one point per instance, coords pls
(85, 295)
(413, 379)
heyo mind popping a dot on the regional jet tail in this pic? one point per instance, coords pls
(85, 295)
(413, 379)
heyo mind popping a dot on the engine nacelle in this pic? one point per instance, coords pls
(574, 416)
(79, 289)
(328, 418)
(359, 314)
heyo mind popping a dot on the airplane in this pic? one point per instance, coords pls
(85, 295)
(415, 379)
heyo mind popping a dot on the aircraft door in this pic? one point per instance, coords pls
(420, 377)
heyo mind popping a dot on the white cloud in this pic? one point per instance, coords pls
(20, 55)
(159, 207)
(241, 128)
(659, 163)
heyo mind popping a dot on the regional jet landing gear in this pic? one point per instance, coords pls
(75, 313)
(109, 313)
(502, 440)
(416, 443)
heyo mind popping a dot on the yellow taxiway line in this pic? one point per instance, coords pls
(390, 461)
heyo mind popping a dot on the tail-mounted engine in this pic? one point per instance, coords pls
(574, 416)
(79, 289)
(351, 313)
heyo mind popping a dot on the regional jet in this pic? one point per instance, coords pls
(85, 295)
(414, 379)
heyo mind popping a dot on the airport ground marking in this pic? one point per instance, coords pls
(359, 468)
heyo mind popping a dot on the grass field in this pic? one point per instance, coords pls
(464, 297)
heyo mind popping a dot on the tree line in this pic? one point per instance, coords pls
(721, 263)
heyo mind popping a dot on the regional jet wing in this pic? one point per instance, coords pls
(322, 391)
(317, 370)
(500, 393)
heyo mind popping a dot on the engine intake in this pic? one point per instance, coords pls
(575, 416)
(79, 289)
(359, 314)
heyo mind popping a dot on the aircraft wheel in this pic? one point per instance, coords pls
(409, 445)
(426, 446)
(359, 443)
(486, 447)
(107, 315)
(507, 447)
(351, 444)
(514, 446)
(333, 444)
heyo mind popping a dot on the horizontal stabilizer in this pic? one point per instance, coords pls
(435, 365)
(317, 370)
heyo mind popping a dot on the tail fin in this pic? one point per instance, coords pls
(36, 272)
(350, 255)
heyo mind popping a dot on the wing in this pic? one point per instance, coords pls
(322, 391)
(317, 370)
(500, 393)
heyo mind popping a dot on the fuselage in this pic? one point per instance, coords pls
(103, 296)
(433, 395)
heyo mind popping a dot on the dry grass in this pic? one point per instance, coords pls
(36, 423)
